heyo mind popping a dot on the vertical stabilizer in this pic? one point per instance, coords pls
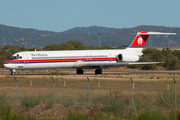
(140, 40)
(142, 36)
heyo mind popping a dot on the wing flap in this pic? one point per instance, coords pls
(117, 64)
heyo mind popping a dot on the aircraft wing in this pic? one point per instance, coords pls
(116, 64)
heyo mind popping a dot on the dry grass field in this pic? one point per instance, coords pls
(113, 97)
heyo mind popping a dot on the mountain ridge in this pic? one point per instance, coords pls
(93, 29)
(87, 35)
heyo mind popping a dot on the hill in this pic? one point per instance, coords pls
(90, 30)
(87, 35)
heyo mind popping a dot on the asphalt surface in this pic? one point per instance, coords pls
(107, 72)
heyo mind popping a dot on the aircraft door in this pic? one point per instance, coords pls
(25, 57)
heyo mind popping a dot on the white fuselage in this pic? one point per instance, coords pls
(66, 59)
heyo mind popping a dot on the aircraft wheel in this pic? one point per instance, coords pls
(79, 71)
(98, 71)
(12, 73)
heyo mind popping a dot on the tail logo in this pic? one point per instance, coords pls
(142, 36)
(140, 41)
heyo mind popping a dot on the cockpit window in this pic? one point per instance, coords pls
(15, 57)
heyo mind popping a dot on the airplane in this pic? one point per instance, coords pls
(82, 59)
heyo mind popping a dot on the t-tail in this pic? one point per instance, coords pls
(142, 36)
(140, 40)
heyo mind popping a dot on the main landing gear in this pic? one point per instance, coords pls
(13, 72)
(98, 71)
(79, 71)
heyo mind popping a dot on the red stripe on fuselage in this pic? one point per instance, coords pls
(56, 60)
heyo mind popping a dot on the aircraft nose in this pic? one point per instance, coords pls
(6, 65)
(9, 65)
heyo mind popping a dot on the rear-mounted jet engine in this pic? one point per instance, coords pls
(127, 58)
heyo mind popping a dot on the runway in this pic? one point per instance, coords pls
(90, 72)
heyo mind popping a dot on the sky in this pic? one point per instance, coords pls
(61, 15)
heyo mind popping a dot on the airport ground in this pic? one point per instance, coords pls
(109, 71)
(153, 92)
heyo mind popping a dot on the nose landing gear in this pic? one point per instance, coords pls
(12, 72)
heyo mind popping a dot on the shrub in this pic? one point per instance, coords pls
(172, 63)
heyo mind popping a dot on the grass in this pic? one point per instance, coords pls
(110, 101)
(6, 113)
(145, 115)
(30, 101)
(98, 116)
(155, 115)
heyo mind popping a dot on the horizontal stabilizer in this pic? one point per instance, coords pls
(156, 33)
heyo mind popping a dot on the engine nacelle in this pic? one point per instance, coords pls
(127, 58)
